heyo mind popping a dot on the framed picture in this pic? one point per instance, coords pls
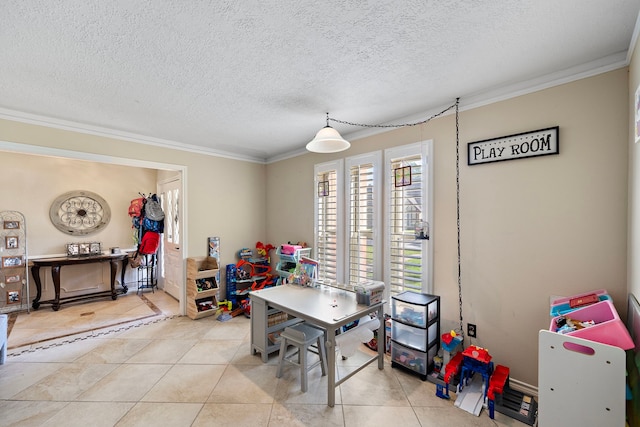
(13, 278)
(402, 176)
(11, 261)
(73, 249)
(11, 242)
(84, 249)
(11, 225)
(95, 248)
(13, 297)
(323, 188)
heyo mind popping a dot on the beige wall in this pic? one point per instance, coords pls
(36, 181)
(225, 197)
(530, 228)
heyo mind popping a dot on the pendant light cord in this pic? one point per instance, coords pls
(456, 105)
(458, 213)
(400, 125)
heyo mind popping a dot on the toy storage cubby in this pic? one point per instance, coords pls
(202, 287)
(415, 331)
(269, 322)
(287, 262)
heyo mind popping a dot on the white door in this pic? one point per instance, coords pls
(171, 273)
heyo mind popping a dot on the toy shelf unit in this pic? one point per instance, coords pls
(238, 289)
(289, 256)
(14, 273)
(202, 287)
(415, 332)
(265, 338)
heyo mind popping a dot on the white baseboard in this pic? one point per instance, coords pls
(523, 387)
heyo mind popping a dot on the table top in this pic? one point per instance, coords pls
(326, 306)
(81, 259)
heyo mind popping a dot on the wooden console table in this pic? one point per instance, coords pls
(57, 263)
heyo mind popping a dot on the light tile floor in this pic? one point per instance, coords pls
(174, 371)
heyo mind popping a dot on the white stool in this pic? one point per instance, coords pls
(302, 336)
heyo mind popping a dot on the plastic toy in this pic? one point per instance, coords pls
(263, 250)
(226, 305)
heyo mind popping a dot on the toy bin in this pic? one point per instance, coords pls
(414, 309)
(608, 328)
(562, 306)
(409, 358)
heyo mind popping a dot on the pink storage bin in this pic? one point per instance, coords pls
(289, 249)
(566, 300)
(609, 329)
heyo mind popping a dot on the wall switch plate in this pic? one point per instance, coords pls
(471, 330)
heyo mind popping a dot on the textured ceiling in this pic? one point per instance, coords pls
(254, 79)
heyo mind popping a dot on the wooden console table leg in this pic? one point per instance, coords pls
(35, 272)
(55, 273)
(114, 269)
(125, 262)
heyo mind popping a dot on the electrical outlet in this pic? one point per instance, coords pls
(471, 330)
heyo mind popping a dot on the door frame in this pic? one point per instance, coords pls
(24, 148)
(181, 207)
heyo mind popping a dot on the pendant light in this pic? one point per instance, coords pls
(328, 140)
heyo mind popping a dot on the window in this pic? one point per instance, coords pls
(409, 183)
(349, 242)
(363, 218)
(328, 221)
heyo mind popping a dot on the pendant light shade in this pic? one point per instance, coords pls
(328, 140)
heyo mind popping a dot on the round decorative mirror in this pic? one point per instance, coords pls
(79, 213)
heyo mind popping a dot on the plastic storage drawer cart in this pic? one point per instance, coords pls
(415, 331)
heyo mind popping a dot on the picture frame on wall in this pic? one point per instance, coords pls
(11, 225)
(11, 242)
(13, 297)
(13, 278)
(11, 261)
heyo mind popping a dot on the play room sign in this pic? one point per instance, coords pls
(529, 144)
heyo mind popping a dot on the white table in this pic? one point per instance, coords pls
(327, 307)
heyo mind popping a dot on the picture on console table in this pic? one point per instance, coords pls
(73, 249)
(13, 297)
(11, 261)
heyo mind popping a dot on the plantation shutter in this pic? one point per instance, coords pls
(364, 238)
(328, 221)
(409, 263)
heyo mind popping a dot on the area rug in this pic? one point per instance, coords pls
(44, 325)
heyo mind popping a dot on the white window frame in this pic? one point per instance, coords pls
(425, 149)
(382, 191)
(374, 159)
(338, 166)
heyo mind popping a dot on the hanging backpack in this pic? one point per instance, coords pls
(152, 209)
(149, 243)
(151, 225)
(135, 208)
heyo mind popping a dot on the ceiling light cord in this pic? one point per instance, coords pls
(400, 125)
